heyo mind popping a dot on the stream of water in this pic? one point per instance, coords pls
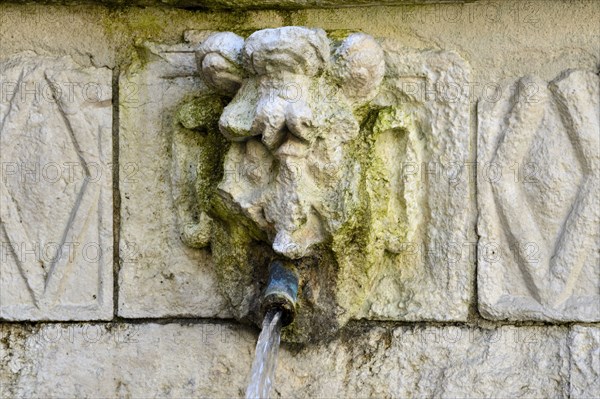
(263, 368)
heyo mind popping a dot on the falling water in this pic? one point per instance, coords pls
(263, 368)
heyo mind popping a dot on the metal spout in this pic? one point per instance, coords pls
(282, 291)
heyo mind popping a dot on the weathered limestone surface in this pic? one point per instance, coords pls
(55, 190)
(159, 276)
(208, 360)
(252, 4)
(539, 181)
(584, 349)
(499, 39)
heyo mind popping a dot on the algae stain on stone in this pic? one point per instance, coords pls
(129, 28)
(361, 245)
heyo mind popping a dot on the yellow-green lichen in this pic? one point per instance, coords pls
(360, 244)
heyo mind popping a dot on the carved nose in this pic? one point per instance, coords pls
(277, 119)
(257, 111)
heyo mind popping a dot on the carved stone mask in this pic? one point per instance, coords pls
(283, 168)
(290, 121)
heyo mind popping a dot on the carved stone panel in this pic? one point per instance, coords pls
(538, 189)
(430, 174)
(55, 190)
(346, 156)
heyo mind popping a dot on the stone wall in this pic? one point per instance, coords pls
(499, 297)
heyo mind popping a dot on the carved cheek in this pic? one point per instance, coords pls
(299, 120)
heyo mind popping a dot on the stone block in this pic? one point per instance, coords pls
(456, 362)
(159, 276)
(538, 184)
(428, 229)
(432, 278)
(56, 205)
(432, 275)
(214, 360)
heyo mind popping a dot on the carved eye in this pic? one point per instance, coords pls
(220, 74)
(359, 66)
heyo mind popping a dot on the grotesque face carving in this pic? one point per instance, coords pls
(291, 123)
(286, 169)
(298, 149)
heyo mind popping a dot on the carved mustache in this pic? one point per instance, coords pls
(254, 70)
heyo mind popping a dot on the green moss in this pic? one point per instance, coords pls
(202, 115)
(210, 167)
(391, 118)
(230, 247)
(351, 244)
(201, 112)
(223, 211)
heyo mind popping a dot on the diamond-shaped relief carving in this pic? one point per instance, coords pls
(538, 183)
(55, 191)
